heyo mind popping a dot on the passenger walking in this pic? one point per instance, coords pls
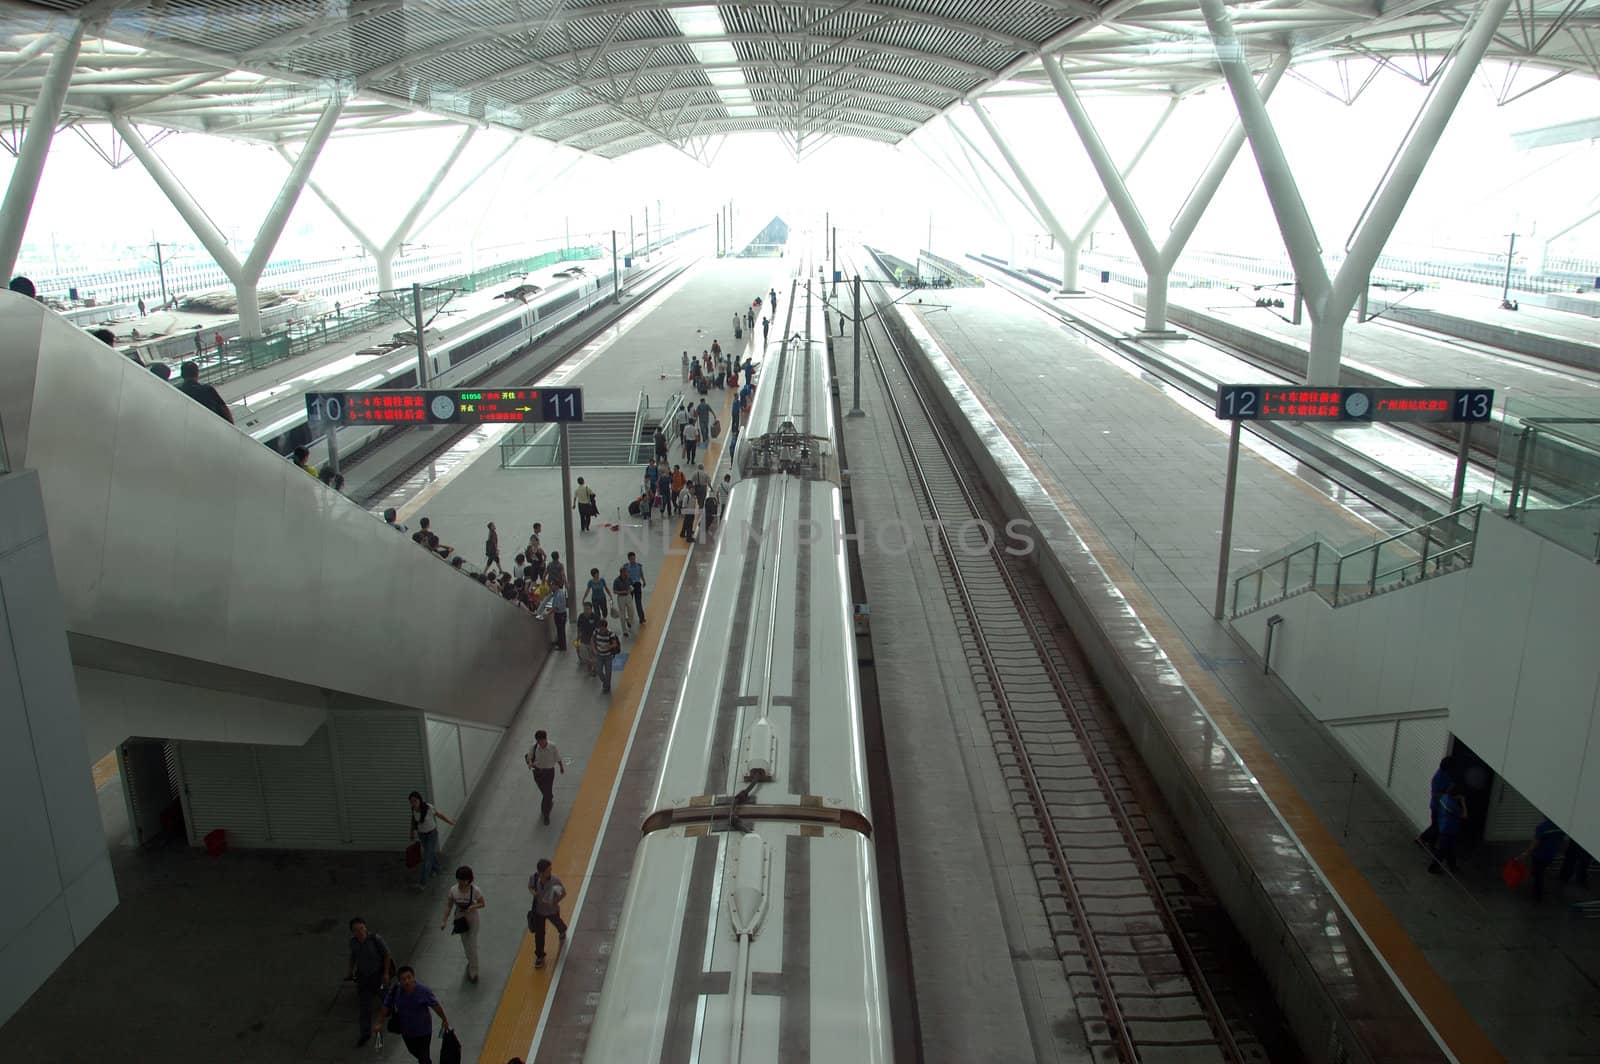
(547, 891)
(842, 320)
(712, 509)
(199, 345)
(636, 582)
(691, 509)
(724, 491)
(544, 759)
(584, 501)
(491, 550)
(1440, 783)
(686, 367)
(204, 394)
(677, 483)
(141, 306)
(703, 412)
(371, 968)
(554, 572)
(765, 325)
(773, 295)
(597, 590)
(661, 446)
(623, 588)
(652, 473)
(425, 831)
(411, 1002)
(716, 351)
(584, 640)
(1452, 819)
(606, 648)
(749, 372)
(461, 917)
(558, 610)
(691, 440)
(1541, 853)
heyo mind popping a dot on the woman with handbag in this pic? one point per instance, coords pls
(584, 501)
(461, 917)
(425, 833)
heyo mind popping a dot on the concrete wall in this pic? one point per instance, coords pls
(58, 883)
(1507, 646)
(1540, 345)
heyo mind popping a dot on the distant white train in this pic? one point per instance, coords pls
(752, 929)
(467, 350)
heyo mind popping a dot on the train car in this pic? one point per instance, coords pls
(468, 351)
(752, 929)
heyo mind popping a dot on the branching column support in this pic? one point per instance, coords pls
(1330, 300)
(36, 148)
(1157, 262)
(383, 254)
(1071, 246)
(245, 275)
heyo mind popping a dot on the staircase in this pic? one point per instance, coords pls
(1443, 545)
(602, 439)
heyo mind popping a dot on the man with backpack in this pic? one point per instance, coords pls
(371, 968)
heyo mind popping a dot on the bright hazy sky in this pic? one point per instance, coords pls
(1476, 189)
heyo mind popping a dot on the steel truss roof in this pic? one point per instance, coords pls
(611, 76)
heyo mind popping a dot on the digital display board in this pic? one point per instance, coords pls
(1277, 402)
(446, 406)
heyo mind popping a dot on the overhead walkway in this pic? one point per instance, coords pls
(216, 594)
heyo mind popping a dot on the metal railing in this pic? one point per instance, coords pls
(1442, 545)
(1555, 482)
(639, 413)
(530, 446)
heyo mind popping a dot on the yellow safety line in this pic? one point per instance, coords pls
(523, 1000)
(1433, 996)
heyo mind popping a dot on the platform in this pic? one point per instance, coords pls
(275, 993)
(1135, 480)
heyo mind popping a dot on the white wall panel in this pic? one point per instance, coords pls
(1419, 744)
(1550, 727)
(60, 886)
(173, 531)
(1508, 648)
(477, 744)
(1393, 635)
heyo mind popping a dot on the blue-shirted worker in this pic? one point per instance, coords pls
(1437, 786)
(1452, 819)
(411, 1001)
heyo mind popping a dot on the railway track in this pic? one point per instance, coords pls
(1129, 923)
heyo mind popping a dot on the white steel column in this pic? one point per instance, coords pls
(247, 274)
(1329, 301)
(1046, 215)
(35, 148)
(1157, 262)
(383, 254)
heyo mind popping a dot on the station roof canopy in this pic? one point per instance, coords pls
(612, 76)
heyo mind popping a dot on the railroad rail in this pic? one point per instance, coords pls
(1138, 983)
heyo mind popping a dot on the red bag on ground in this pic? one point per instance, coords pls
(414, 855)
(1515, 873)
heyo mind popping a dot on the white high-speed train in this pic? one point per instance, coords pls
(468, 350)
(751, 930)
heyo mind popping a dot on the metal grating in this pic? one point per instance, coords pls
(616, 75)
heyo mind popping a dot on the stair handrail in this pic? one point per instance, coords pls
(1432, 532)
(640, 409)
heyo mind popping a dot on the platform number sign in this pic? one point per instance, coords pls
(1274, 402)
(393, 406)
(562, 404)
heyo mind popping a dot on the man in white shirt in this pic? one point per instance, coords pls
(544, 759)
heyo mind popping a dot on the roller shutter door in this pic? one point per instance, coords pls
(1418, 747)
(1511, 817)
(380, 759)
(1371, 743)
(302, 802)
(222, 789)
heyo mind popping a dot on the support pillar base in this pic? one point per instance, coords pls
(1073, 293)
(856, 413)
(1156, 334)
